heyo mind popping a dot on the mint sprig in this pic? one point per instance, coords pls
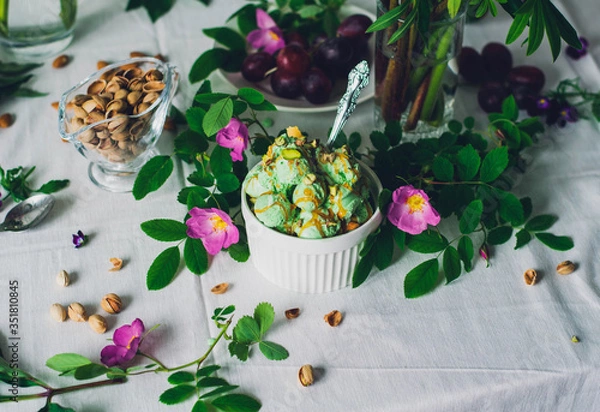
(16, 183)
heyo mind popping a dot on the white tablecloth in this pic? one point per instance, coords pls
(487, 342)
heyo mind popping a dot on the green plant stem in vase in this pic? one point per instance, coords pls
(415, 83)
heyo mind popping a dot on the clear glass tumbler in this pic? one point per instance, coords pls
(115, 116)
(33, 30)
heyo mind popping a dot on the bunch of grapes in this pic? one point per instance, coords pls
(310, 70)
(493, 70)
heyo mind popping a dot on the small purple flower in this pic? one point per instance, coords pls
(484, 252)
(268, 36)
(542, 103)
(576, 54)
(569, 114)
(234, 136)
(126, 341)
(79, 239)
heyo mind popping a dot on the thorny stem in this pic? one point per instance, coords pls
(50, 392)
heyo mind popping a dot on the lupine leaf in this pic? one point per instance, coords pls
(163, 269)
(152, 176)
(422, 279)
(164, 230)
(195, 256)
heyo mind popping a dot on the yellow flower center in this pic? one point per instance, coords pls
(219, 225)
(415, 203)
(130, 341)
(273, 35)
(293, 131)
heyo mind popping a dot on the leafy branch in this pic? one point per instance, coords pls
(463, 178)
(215, 181)
(15, 182)
(155, 8)
(208, 389)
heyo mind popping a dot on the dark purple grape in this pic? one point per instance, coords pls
(285, 84)
(497, 61)
(527, 76)
(354, 27)
(318, 40)
(293, 59)
(526, 99)
(297, 39)
(316, 86)
(256, 65)
(470, 65)
(491, 95)
(336, 56)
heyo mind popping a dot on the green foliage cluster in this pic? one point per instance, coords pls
(214, 183)
(155, 8)
(212, 392)
(14, 181)
(570, 93)
(539, 15)
(12, 78)
(307, 17)
(464, 178)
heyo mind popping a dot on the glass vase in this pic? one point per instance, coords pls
(416, 76)
(34, 30)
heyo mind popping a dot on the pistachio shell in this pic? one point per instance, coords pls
(103, 134)
(94, 116)
(141, 108)
(154, 86)
(97, 87)
(121, 94)
(118, 106)
(153, 75)
(76, 124)
(137, 129)
(151, 97)
(107, 75)
(120, 136)
(136, 84)
(80, 98)
(89, 106)
(87, 137)
(133, 72)
(107, 145)
(118, 125)
(134, 97)
(80, 112)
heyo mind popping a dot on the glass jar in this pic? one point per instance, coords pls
(417, 75)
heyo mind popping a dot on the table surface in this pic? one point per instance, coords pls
(485, 342)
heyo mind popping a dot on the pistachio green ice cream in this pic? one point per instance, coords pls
(302, 188)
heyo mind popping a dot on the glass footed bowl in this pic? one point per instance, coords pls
(115, 117)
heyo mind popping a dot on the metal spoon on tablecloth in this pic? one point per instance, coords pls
(358, 78)
(28, 213)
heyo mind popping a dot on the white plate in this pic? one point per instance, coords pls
(301, 105)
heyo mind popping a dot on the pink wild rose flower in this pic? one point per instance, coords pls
(268, 36)
(126, 341)
(234, 136)
(410, 210)
(214, 227)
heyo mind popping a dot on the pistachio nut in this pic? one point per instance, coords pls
(63, 278)
(220, 288)
(96, 87)
(565, 268)
(333, 318)
(98, 323)
(77, 312)
(292, 313)
(530, 276)
(58, 312)
(116, 262)
(305, 375)
(111, 303)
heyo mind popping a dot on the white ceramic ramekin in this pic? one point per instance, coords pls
(309, 265)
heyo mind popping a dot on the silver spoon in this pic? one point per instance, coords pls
(358, 78)
(28, 213)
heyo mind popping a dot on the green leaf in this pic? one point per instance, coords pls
(422, 279)
(227, 183)
(527, 207)
(510, 109)
(443, 169)
(427, 242)
(362, 270)
(265, 106)
(523, 237)
(246, 330)
(208, 62)
(451, 264)
(240, 350)
(250, 95)
(200, 406)
(183, 195)
(163, 269)
(468, 162)
(471, 217)
(207, 370)
(220, 160)
(561, 243)
(191, 142)
(239, 252)
(219, 390)
(90, 371)
(493, 164)
(273, 351)
(511, 209)
(466, 252)
(536, 28)
(218, 116)
(517, 27)
(453, 7)
(53, 186)
(389, 18)
(152, 176)
(499, 235)
(354, 141)
(194, 117)
(165, 230)
(455, 126)
(393, 130)
(469, 122)
(567, 31)
(65, 362)
(380, 141)
(68, 11)
(177, 394)
(264, 314)
(235, 402)
(383, 249)
(541, 223)
(181, 377)
(195, 256)
(227, 37)
(55, 407)
(410, 19)
(210, 382)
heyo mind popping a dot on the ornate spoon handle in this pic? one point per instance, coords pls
(358, 78)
